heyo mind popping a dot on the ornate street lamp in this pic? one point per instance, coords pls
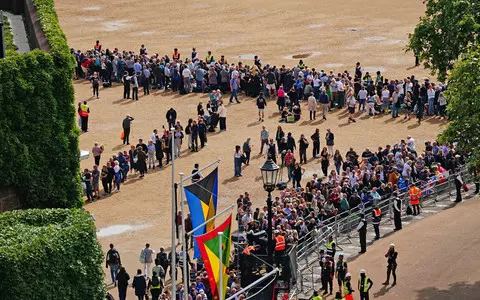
(269, 177)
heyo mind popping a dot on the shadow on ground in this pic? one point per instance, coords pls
(458, 290)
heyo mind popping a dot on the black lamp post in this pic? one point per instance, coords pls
(269, 177)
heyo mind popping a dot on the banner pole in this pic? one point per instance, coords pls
(184, 244)
(173, 251)
(209, 220)
(220, 271)
(202, 169)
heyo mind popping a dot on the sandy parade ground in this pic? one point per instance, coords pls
(327, 35)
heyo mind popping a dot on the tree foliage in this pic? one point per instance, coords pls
(39, 139)
(464, 105)
(50, 254)
(446, 30)
(10, 47)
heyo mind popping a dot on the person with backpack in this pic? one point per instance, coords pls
(162, 259)
(113, 261)
(155, 285)
(95, 85)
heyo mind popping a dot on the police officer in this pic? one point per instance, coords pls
(341, 270)
(364, 285)
(331, 247)
(327, 275)
(392, 264)
(397, 211)
(362, 234)
(347, 287)
(376, 217)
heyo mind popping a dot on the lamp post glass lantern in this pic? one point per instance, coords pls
(269, 175)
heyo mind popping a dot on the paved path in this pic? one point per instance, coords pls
(350, 248)
(19, 33)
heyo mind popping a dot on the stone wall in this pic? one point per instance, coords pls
(8, 199)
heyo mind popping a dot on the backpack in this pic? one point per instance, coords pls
(156, 281)
(114, 257)
(162, 257)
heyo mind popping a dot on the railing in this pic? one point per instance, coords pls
(342, 226)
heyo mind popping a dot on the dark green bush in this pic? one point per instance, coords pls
(39, 139)
(50, 254)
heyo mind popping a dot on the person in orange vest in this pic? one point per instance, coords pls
(98, 46)
(415, 195)
(176, 54)
(376, 217)
(248, 250)
(279, 247)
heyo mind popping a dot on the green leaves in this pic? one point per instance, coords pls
(39, 148)
(444, 33)
(50, 254)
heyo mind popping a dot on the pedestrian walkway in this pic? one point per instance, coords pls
(20, 38)
(310, 278)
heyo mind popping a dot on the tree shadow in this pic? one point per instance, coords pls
(457, 290)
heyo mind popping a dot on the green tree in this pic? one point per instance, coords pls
(464, 105)
(444, 33)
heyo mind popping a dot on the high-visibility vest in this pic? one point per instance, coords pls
(96, 47)
(84, 110)
(176, 55)
(414, 193)
(330, 247)
(301, 66)
(377, 212)
(346, 291)
(366, 285)
(280, 243)
(247, 250)
(209, 58)
(156, 287)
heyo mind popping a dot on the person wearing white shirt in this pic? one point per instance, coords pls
(153, 137)
(341, 93)
(431, 100)
(316, 86)
(187, 81)
(386, 98)
(222, 114)
(362, 98)
(410, 143)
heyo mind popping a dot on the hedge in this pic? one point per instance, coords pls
(39, 139)
(50, 254)
(10, 47)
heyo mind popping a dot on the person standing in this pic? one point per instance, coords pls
(347, 287)
(187, 80)
(222, 115)
(261, 104)
(95, 85)
(97, 152)
(196, 175)
(162, 259)
(415, 195)
(126, 124)
(272, 151)
(113, 261)
(140, 285)
(126, 85)
(325, 101)
(351, 104)
(151, 154)
(364, 285)
(171, 117)
(234, 83)
(194, 136)
(331, 247)
(458, 186)
(330, 138)
(316, 143)
(397, 211)
(247, 149)
(134, 80)
(376, 218)
(326, 275)
(84, 112)
(280, 247)
(95, 182)
(155, 285)
(341, 270)
(159, 150)
(202, 133)
(312, 106)
(263, 138)
(392, 265)
(302, 148)
(87, 180)
(122, 283)
(146, 258)
(362, 234)
(237, 160)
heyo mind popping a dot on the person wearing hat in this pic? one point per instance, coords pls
(397, 211)
(364, 285)
(327, 271)
(391, 256)
(280, 247)
(126, 124)
(341, 270)
(362, 234)
(316, 296)
(347, 287)
(415, 195)
(376, 218)
(95, 84)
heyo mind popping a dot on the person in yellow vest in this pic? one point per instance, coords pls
(415, 195)
(347, 287)
(155, 285)
(316, 296)
(364, 285)
(279, 247)
(331, 247)
(176, 54)
(376, 218)
(209, 58)
(84, 111)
